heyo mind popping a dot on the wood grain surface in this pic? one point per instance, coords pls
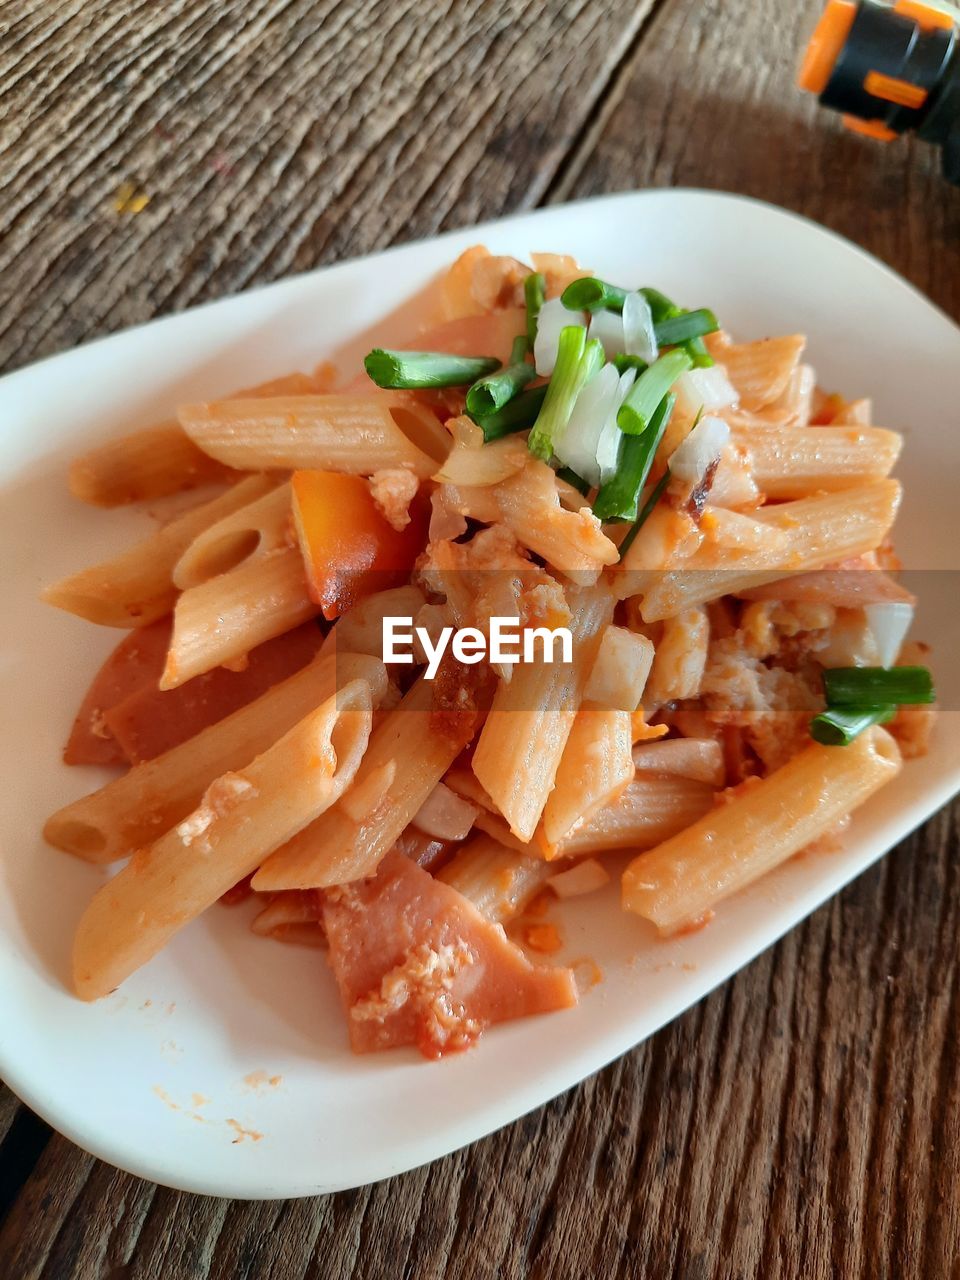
(804, 1121)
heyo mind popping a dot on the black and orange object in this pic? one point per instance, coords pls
(890, 69)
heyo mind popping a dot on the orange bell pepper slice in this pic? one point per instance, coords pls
(349, 549)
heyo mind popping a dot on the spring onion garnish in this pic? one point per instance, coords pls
(496, 389)
(571, 478)
(577, 360)
(516, 415)
(534, 292)
(415, 369)
(869, 686)
(623, 363)
(838, 726)
(618, 498)
(590, 294)
(664, 308)
(687, 325)
(641, 404)
(645, 512)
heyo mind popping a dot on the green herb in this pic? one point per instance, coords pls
(571, 477)
(645, 512)
(681, 328)
(869, 686)
(591, 294)
(534, 293)
(647, 392)
(417, 369)
(622, 363)
(577, 360)
(496, 389)
(838, 726)
(618, 498)
(661, 307)
(516, 415)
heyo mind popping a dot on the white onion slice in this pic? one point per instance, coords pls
(704, 389)
(553, 317)
(691, 460)
(639, 335)
(608, 443)
(576, 445)
(889, 623)
(445, 815)
(608, 327)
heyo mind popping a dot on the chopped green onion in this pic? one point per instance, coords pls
(645, 395)
(867, 686)
(645, 512)
(687, 325)
(577, 360)
(838, 726)
(591, 294)
(696, 349)
(661, 307)
(571, 477)
(496, 389)
(618, 498)
(413, 369)
(516, 415)
(623, 362)
(534, 293)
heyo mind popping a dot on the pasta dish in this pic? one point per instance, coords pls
(312, 707)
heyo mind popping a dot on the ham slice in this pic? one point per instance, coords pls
(126, 719)
(417, 964)
(136, 662)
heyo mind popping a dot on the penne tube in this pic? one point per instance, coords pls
(678, 884)
(524, 735)
(573, 542)
(143, 465)
(409, 753)
(136, 587)
(222, 620)
(819, 531)
(136, 808)
(160, 460)
(651, 809)
(357, 434)
(792, 462)
(697, 758)
(760, 371)
(595, 767)
(242, 817)
(497, 880)
(262, 526)
(294, 917)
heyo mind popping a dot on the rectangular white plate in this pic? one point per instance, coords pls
(162, 1078)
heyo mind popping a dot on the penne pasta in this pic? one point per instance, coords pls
(242, 817)
(262, 526)
(697, 758)
(678, 884)
(595, 767)
(524, 735)
(134, 809)
(819, 531)
(357, 434)
(760, 371)
(409, 753)
(136, 587)
(573, 542)
(160, 460)
(360, 629)
(497, 880)
(792, 462)
(222, 619)
(294, 917)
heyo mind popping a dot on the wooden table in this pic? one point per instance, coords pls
(805, 1119)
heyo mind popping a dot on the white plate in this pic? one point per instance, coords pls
(225, 1035)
